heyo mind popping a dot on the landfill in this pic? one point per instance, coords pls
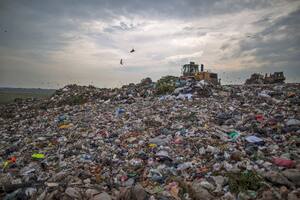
(168, 140)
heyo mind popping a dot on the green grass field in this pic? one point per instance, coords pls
(8, 95)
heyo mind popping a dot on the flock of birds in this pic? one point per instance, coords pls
(132, 51)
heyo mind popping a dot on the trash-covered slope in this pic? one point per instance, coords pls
(194, 141)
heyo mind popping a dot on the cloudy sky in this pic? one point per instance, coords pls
(51, 43)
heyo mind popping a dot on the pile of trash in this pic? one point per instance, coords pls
(196, 141)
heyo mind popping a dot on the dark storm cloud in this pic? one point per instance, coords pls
(280, 42)
(30, 28)
(42, 24)
(275, 48)
(35, 34)
(288, 25)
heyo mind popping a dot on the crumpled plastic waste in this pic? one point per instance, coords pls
(233, 135)
(120, 111)
(255, 140)
(284, 162)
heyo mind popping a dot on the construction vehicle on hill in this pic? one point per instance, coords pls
(276, 77)
(191, 71)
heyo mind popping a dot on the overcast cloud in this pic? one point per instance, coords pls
(52, 43)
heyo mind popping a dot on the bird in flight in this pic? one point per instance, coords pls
(121, 61)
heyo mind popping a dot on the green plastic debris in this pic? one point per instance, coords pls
(233, 135)
(38, 156)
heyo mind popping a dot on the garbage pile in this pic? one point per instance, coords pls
(196, 141)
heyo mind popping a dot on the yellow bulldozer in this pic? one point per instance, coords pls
(191, 71)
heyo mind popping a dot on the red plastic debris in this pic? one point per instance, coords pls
(282, 162)
(13, 159)
(259, 118)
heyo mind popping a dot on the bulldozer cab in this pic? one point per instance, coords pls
(190, 69)
(278, 75)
